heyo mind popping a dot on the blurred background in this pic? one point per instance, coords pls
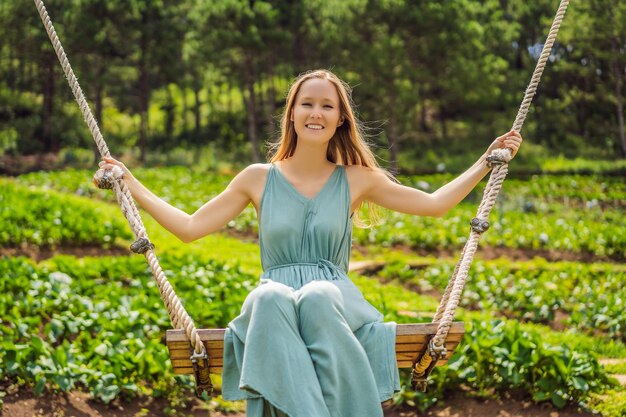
(203, 83)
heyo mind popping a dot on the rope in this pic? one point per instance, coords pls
(500, 158)
(178, 315)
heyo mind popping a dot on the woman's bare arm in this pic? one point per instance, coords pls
(386, 193)
(209, 218)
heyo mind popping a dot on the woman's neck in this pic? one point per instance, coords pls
(308, 159)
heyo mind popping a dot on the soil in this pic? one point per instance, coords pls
(484, 252)
(78, 404)
(41, 253)
(495, 252)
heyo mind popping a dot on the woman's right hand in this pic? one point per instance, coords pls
(110, 163)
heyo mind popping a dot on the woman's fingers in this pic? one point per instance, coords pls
(511, 140)
(110, 163)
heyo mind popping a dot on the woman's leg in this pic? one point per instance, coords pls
(276, 363)
(341, 364)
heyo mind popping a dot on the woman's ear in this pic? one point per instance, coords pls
(341, 119)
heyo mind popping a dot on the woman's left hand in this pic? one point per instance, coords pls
(511, 140)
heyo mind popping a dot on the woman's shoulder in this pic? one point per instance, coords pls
(253, 173)
(251, 181)
(256, 169)
(360, 172)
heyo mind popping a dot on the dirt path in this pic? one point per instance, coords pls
(77, 404)
(484, 252)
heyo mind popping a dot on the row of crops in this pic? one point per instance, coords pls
(587, 297)
(97, 323)
(552, 213)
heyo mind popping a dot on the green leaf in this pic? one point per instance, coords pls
(558, 400)
(41, 384)
(579, 383)
(101, 349)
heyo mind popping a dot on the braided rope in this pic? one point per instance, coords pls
(178, 315)
(452, 294)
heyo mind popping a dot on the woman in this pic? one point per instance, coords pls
(307, 344)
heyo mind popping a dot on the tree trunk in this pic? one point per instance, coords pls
(271, 102)
(185, 127)
(423, 113)
(98, 115)
(169, 114)
(251, 110)
(229, 97)
(49, 61)
(196, 107)
(619, 74)
(392, 137)
(444, 125)
(98, 105)
(144, 98)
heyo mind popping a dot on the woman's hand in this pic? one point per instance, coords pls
(109, 163)
(511, 140)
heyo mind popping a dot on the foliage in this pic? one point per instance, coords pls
(98, 322)
(602, 233)
(564, 294)
(48, 219)
(219, 72)
(570, 213)
(498, 356)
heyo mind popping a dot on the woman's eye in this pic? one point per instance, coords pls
(328, 106)
(306, 104)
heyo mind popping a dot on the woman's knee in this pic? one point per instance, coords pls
(270, 294)
(319, 296)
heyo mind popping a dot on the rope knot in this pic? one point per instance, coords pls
(499, 157)
(141, 245)
(104, 178)
(479, 225)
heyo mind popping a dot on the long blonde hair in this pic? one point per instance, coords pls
(348, 146)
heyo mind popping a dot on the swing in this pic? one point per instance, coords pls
(418, 346)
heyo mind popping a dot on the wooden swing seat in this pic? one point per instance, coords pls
(411, 343)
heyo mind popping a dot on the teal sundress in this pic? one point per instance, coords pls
(307, 344)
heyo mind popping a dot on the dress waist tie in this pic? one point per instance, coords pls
(328, 269)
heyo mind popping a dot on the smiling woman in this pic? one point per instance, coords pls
(327, 350)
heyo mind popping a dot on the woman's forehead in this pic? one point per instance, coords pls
(318, 88)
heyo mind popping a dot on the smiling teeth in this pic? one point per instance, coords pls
(316, 127)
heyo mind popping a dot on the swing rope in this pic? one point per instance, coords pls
(111, 180)
(499, 160)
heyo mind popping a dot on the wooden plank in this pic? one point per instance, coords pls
(425, 329)
(217, 370)
(409, 364)
(186, 363)
(180, 361)
(211, 344)
(403, 339)
(189, 371)
(411, 340)
(179, 335)
(184, 353)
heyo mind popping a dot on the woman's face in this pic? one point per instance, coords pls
(316, 113)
